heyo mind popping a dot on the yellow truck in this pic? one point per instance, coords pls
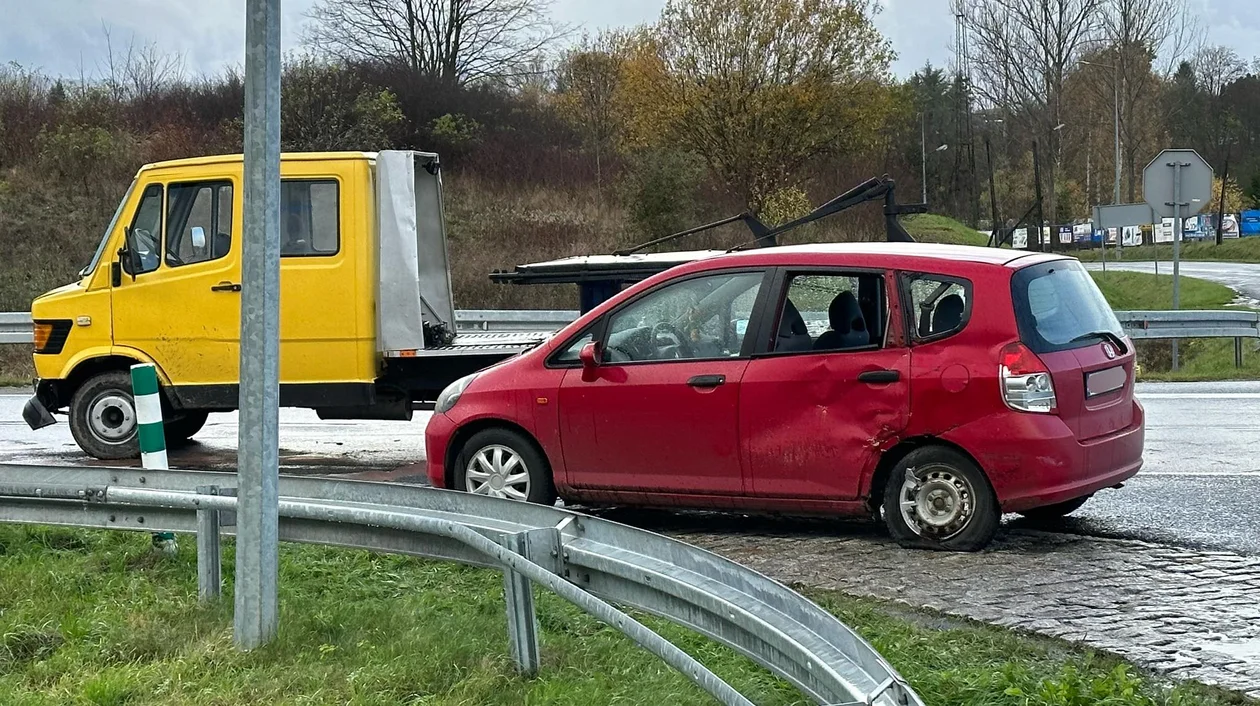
(367, 323)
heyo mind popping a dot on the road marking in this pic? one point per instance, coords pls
(1199, 396)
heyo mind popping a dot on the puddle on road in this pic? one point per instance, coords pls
(1246, 650)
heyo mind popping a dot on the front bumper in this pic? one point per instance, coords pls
(437, 438)
(37, 412)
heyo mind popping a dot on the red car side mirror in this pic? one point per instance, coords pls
(589, 355)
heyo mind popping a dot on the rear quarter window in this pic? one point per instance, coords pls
(1058, 307)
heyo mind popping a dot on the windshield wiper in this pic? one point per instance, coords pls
(1105, 335)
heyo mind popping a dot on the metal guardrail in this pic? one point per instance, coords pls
(15, 327)
(1190, 324)
(590, 562)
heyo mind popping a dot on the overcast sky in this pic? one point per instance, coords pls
(63, 36)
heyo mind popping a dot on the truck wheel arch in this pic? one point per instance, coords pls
(88, 368)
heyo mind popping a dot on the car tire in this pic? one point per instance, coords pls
(489, 461)
(184, 427)
(1056, 511)
(951, 505)
(103, 417)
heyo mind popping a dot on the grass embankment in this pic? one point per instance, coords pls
(1232, 250)
(1202, 358)
(933, 228)
(97, 618)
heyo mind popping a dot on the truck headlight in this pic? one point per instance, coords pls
(451, 394)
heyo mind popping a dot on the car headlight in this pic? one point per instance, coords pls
(451, 394)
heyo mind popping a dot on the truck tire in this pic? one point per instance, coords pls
(184, 427)
(103, 417)
(504, 463)
(1046, 513)
(937, 498)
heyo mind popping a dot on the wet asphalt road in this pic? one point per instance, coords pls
(1200, 486)
(1242, 277)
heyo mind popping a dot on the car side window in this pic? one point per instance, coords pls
(145, 242)
(939, 306)
(831, 312)
(695, 319)
(198, 223)
(571, 353)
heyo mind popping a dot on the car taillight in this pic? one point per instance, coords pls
(1026, 382)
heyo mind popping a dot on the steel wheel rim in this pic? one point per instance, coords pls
(936, 501)
(112, 417)
(497, 471)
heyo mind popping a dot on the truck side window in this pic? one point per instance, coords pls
(146, 234)
(198, 222)
(309, 218)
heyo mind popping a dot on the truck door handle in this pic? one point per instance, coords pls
(707, 380)
(226, 287)
(879, 376)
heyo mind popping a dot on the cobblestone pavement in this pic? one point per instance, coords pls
(1185, 613)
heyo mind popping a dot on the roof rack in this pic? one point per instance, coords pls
(601, 276)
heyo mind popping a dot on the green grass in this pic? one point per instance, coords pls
(16, 367)
(1127, 291)
(1232, 250)
(1200, 359)
(97, 618)
(933, 228)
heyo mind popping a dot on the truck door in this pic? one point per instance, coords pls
(178, 300)
(325, 349)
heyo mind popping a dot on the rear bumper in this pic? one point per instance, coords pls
(1038, 461)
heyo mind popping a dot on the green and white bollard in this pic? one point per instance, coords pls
(152, 436)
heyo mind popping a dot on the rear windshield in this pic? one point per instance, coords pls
(1059, 307)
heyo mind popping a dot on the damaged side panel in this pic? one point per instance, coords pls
(811, 429)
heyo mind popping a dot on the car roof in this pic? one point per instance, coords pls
(880, 254)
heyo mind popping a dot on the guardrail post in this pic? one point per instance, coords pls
(209, 554)
(1238, 356)
(522, 621)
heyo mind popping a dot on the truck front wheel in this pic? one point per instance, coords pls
(103, 417)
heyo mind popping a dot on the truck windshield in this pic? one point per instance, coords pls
(100, 248)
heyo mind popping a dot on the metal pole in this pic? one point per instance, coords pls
(923, 150)
(522, 620)
(1220, 213)
(209, 555)
(997, 236)
(257, 539)
(1041, 245)
(1176, 289)
(1116, 196)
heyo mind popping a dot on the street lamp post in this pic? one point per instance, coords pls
(923, 152)
(1115, 72)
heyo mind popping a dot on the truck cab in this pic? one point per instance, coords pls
(367, 322)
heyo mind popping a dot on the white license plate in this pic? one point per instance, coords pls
(1100, 382)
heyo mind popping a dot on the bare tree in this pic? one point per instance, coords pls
(458, 41)
(1215, 68)
(138, 71)
(1143, 43)
(1022, 52)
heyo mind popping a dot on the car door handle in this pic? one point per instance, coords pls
(879, 376)
(226, 287)
(707, 380)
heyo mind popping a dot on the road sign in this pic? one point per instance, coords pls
(1121, 215)
(1196, 183)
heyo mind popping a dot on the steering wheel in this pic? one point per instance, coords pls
(680, 343)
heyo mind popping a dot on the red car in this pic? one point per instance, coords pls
(937, 386)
